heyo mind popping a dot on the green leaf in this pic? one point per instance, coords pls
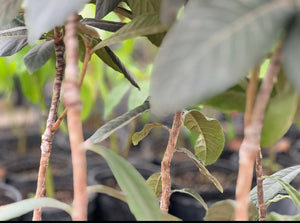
(30, 87)
(273, 216)
(115, 124)
(225, 211)
(277, 198)
(13, 38)
(271, 187)
(210, 142)
(19, 208)
(154, 181)
(138, 136)
(102, 24)
(103, 7)
(202, 168)
(42, 16)
(114, 97)
(140, 198)
(294, 194)
(138, 96)
(233, 99)
(8, 11)
(107, 190)
(38, 56)
(192, 193)
(279, 114)
(144, 6)
(145, 24)
(203, 54)
(291, 51)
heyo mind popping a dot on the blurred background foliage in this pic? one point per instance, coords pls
(103, 88)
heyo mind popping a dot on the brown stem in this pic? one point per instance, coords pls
(73, 104)
(251, 143)
(260, 192)
(47, 137)
(251, 94)
(166, 161)
(81, 77)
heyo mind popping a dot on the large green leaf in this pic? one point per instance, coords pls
(211, 48)
(294, 194)
(210, 142)
(8, 11)
(271, 187)
(19, 208)
(225, 211)
(291, 51)
(202, 168)
(140, 198)
(42, 16)
(233, 99)
(13, 38)
(38, 56)
(279, 114)
(145, 24)
(103, 7)
(115, 124)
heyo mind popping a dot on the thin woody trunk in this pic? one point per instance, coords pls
(250, 146)
(166, 161)
(73, 104)
(46, 145)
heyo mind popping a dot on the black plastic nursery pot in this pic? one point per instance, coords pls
(187, 175)
(109, 208)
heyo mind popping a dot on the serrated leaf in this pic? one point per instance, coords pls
(8, 11)
(142, 25)
(291, 51)
(154, 181)
(294, 194)
(38, 56)
(279, 114)
(102, 24)
(140, 198)
(13, 38)
(210, 142)
(103, 7)
(19, 208)
(202, 168)
(271, 187)
(225, 211)
(192, 193)
(107, 129)
(42, 16)
(201, 55)
(138, 136)
(142, 7)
